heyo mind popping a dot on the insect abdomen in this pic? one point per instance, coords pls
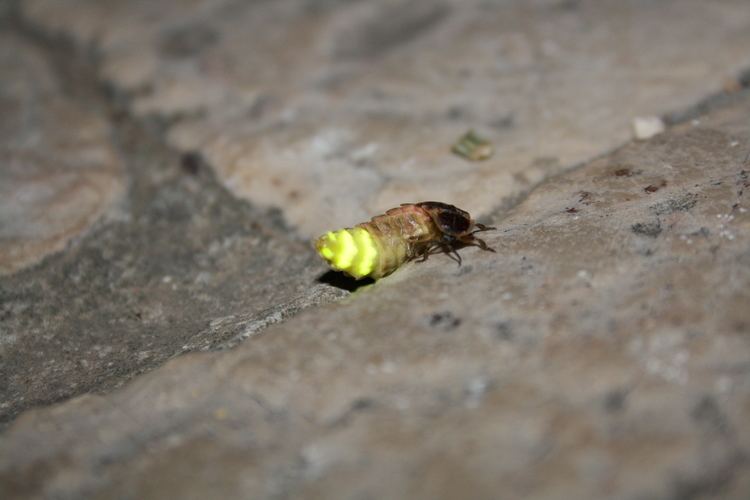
(378, 247)
(353, 251)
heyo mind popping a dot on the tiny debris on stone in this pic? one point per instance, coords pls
(623, 172)
(646, 127)
(444, 321)
(472, 147)
(650, 229)
(652, 188)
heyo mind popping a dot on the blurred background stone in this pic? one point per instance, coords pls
(174, 264)
(333, 111)
(602, 352)
(59, 171)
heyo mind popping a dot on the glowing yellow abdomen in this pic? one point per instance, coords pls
(353, 251)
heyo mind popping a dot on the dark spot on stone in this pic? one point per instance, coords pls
(444, 321)
(504, 122)
(457, 112)
(362, 404)
(744, 79)
(187, 41)
(503, 331)
(358, 405)
(322, 6)
(704, 232)
(680, 204)
(568, 5)
(708, 414)
(652, 188)
(614, 401)
(545, 162)
(260, 106)
(623, 172)
(584, 197)
(191, 163)
(390, 27)
(572, 210)
(650, 229)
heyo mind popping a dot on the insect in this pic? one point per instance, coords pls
(412, 231)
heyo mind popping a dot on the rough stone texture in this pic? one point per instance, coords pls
(59, 173)
(603, 352)
(178, 265)
(335, 110)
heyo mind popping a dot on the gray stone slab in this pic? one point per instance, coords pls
(148, 257)
(334, 110)
(602, 352)
(60, 173)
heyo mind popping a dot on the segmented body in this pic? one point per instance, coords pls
(378, 247)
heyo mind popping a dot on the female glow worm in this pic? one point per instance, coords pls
(377, 248)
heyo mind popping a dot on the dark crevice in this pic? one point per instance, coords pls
(143, 285)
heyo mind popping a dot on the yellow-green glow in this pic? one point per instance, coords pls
(366, 253)
(350, 250)
(345, 250)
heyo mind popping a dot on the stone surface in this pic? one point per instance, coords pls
(603, 352)
(176, 265)
(335, 110)
(59, 172)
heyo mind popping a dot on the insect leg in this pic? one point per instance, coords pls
(423, 256)
(426, 252)
(482, 227)
(481, 244)
(452, 253)
(458, 256)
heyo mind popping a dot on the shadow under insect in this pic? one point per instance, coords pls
(343, 281)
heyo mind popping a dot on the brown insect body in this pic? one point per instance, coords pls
(400, 235)
(413, 230)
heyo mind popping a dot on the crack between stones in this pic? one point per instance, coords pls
(76, 63)
(671, 119)
(77, 69)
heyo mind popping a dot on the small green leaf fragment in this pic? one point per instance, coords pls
(472, 147)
